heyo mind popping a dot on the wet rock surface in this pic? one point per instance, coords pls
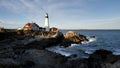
(28, 51)
(37, 58)
(99, 59)
(104, 59)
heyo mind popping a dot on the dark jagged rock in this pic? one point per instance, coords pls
(103, 59)
(28, 51)
(43, 58)
(42, 42)
(104, 56)
(101, 55)
(34, 58)
(6, 35)
(99, 59)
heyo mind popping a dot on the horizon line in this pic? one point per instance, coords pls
(89, 29)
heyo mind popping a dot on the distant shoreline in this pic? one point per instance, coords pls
(89, 29)
(73, 29)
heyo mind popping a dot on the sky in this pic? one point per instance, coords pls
(63, 14)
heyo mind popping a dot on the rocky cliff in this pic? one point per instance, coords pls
(35, 58)
(28, 51)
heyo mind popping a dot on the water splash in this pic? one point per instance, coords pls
(92, 39)
(82, 51)
(89, 40)
(59, 50)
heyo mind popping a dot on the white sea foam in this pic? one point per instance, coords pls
(89, 40)
(72, 45)
(77, 49)
(89, 51)
(92, 39)
(69, 51)
(59, 50)
(117, 52)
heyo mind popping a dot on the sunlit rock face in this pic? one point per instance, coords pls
(73, 37)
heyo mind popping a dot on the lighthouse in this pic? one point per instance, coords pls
(46, 22)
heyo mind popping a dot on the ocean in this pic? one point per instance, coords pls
(104, 39)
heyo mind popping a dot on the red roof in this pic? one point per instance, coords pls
(28, 25)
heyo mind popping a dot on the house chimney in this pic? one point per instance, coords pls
(46, 22)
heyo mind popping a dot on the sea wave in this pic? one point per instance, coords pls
(116, 51)
(74, 49)
(59, 50)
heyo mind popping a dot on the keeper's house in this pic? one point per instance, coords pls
(33, 26)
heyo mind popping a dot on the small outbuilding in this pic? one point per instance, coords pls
(53, 29)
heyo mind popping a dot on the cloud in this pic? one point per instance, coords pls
(20, 5)
(39, 5)
(8, 24)
(12, 24)
(37, 8)
(111, 23)
(102, 21)
(60, 12)
(11, 5)
(65, 4)
(99, 23)
(29, 9)
(1, 21)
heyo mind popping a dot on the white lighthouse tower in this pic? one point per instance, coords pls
(46, 22)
